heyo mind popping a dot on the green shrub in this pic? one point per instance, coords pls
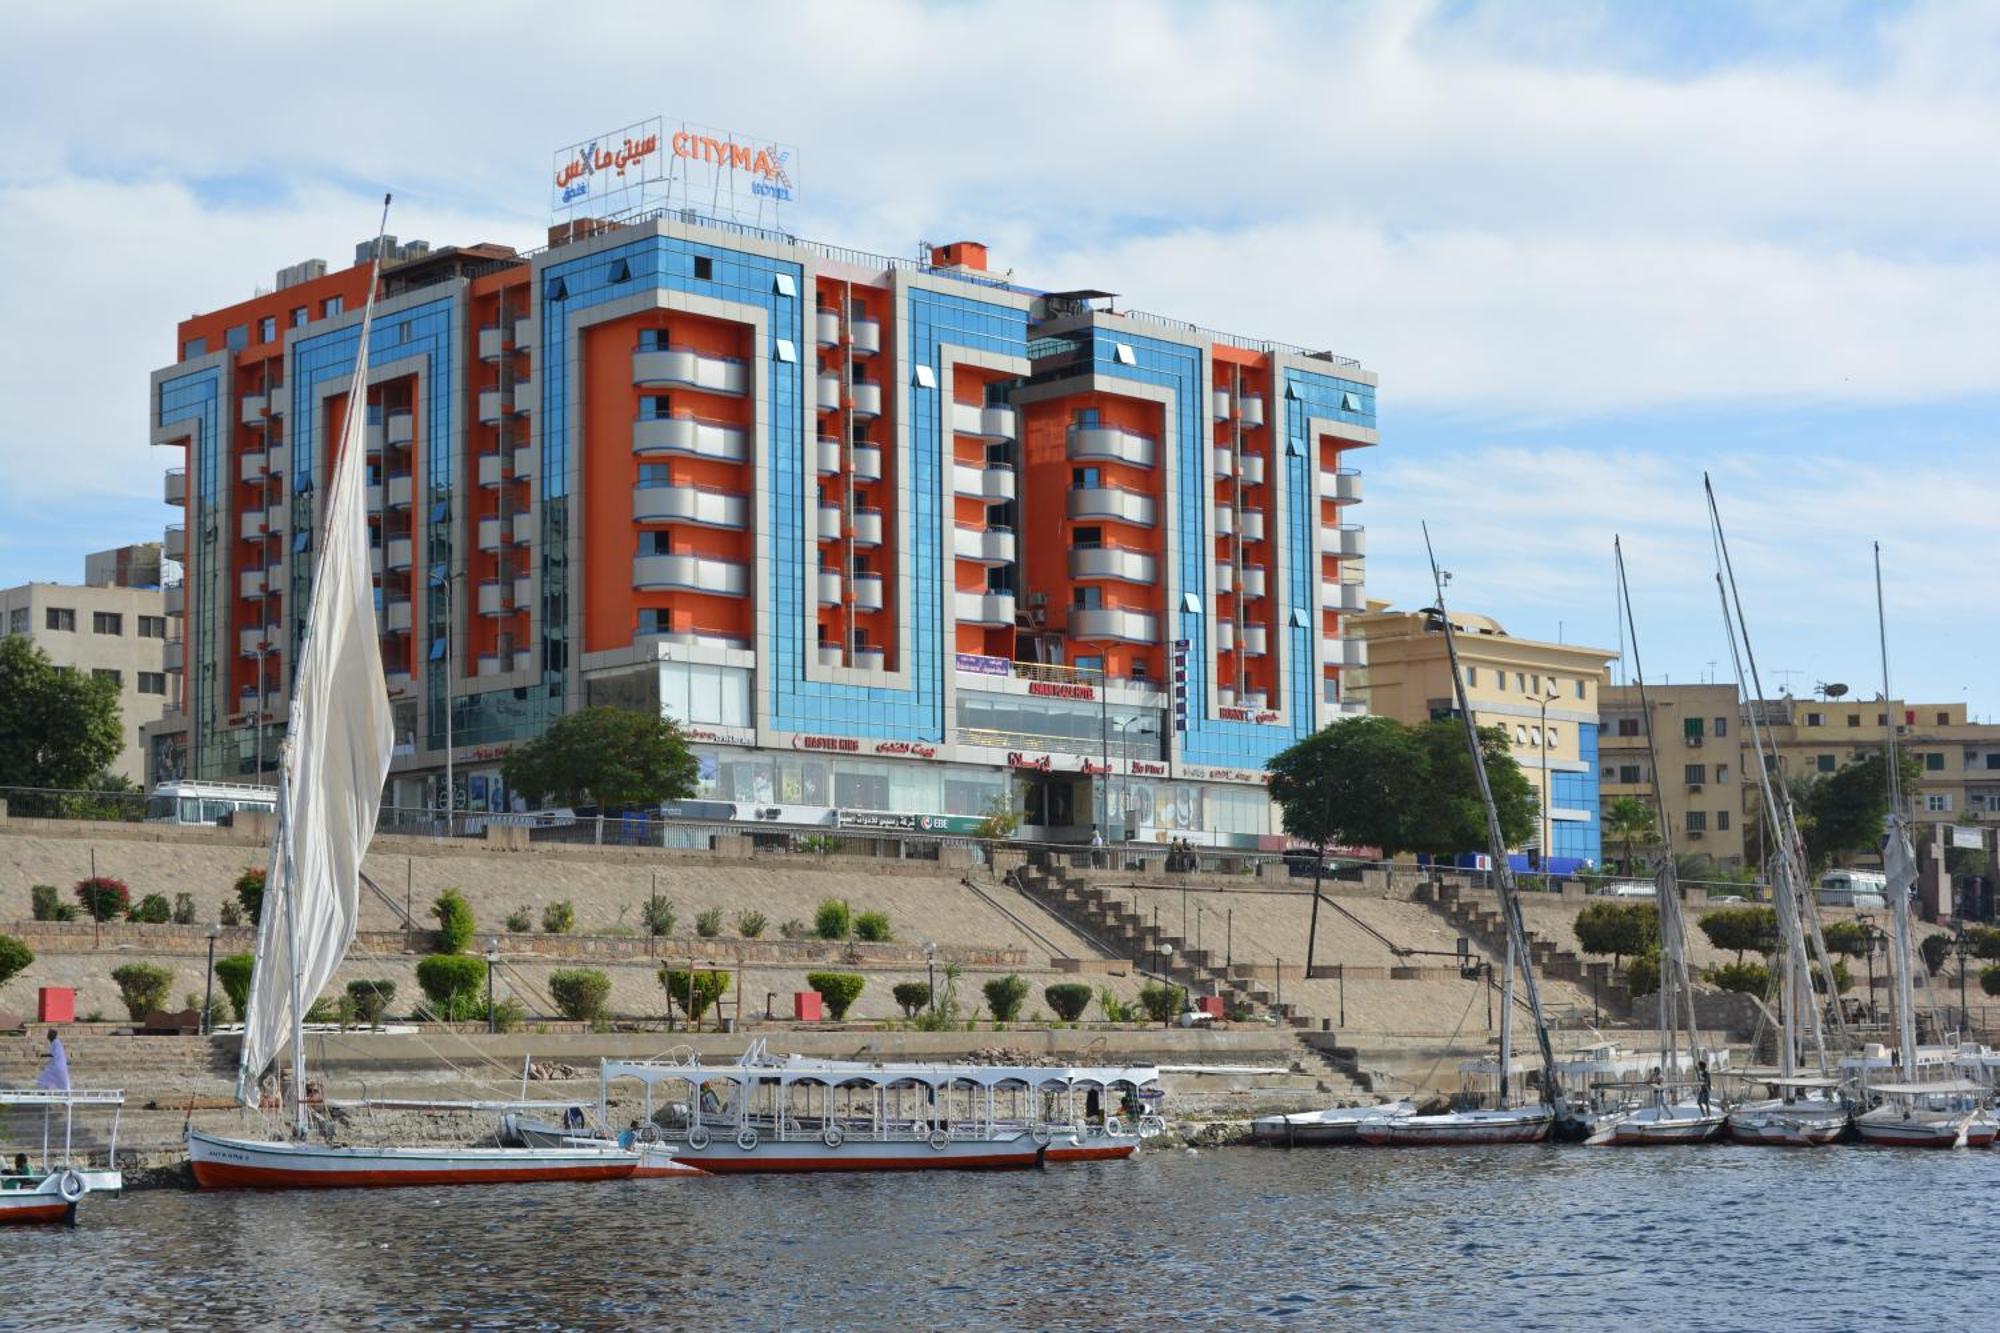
(453, 983)
(1623, 930)
(184, 909)
(14, 956)
(154, 910)
(44, 899)
(229, 915)
(519, 922)
(1745, 978)
(1984, 942)
(250, 893)
(750, 925)
(1069, 998)
(143, 987)
(1114, 1009)
(1989, 978)
(1845, 937)
(234, 972)
(839, 989)
(873, 927)
(820, 844)
(1935, 949)
(507, 1014)
(1742, 929)
(326, 1009)
(1843, 980)
(694, 997)
(580, 992)
(1642, 975)
(371, 999)
(455, 924)
(911, 996)
(103, 897)
(1004, 996)
(1162, 1000)
(708, 924)
(559, 918)
(832, 921)
(659, 916)
(794, 929)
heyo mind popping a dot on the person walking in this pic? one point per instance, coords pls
(1702, 1088)
(1096, 847)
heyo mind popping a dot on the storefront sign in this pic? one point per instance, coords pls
(1202, 773)
(1972, 838)
(979, 665)
(1061, 690)
(597, 170)
(1147, 768)
(837, 744)
(658, 164)
(721, 735)
(1262, 719)
(1015, 759)
(907, 823)
(908, 749)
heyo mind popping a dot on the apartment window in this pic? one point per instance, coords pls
(1138, 668)
(1721, 727)
(1520, 735)
(1944, 719)
(1535, 736)
(300, 315)
(332, 306)
(1550, 736)
(193, 348)
(60, 618)
(1881, 719)
(1521, 681)
(1086, 537)
(652, 340)
(1696, 774)
(1090, 664)
(1722, 821)
(108, 673)
(1629, 775)
(1933, 763)
(1815, 719)
(1628, 726)
(1085, 478)
(1992, 756)
(1937, 803)
(1472, 678)
(17, 621)
(1697, 821)
(267, 329)
(1722, 772)
(238, 338)
(1579, 689)
(152, 627)
(152, 682)
(1826, 763)
(1088, 597)
(704, 267)
(1691, 728)
(1854, 719)
(1500, 681)
(107, 622)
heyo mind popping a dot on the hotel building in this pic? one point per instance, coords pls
(892, 539)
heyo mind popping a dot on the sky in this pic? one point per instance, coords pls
(1592, 250)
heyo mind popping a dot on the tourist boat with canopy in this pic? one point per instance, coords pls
(58, 1172)
(333, 763)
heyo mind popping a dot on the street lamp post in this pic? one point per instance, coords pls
(492, 958)
(208, 990)
(1867, 924)
(930, 971)
(1962, 946)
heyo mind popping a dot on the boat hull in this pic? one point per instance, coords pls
(1459, 1129)
(41, 1207)
(225, 1163)
(1932, 1130)
(723, 1156)
(1095, 1149)
(1656, 1128)
(1339, 1127)
(1793, 1126)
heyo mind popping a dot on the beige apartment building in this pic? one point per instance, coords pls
(1543, 695)
(1698, 735)
(112, 630)
(1959, 781)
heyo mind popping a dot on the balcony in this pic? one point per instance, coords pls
(829, 393)
(1225, 520)
(871, 659)
(252, 583)
(492, 533)
(867, 461)
(1225, 636)
(254, 467)
(868, 591)
(492, 470)
(993, 483)
(867, 527)
(398, 681)
(496, 598)
(524, 463)
(690, 573)
(396, 553)
(253, 525)
(256, 409)
(702, 506)
(1253, 525)
(174, 543)
(524, 659)
(988, 608)
(1254, 699)
(1253, 469)
(524, 395)
(1253, 580)
(399, 491)
(1345, 540)
(829, 456)
(524, 592)
(372, 433)
(492, 342)
(831, 656)
(524, 526)
(177, 486)
(865, 335)
(256, 640)
(686, 368)
(1090, 444)
(493, 664)
(1251, 406)
(826, 326)
(1219, 403)
(396, 616)
(524, 332)
(829, 523)
(1225, 578)
(1113, 623)
(985, 546)
(173, 599)
(689, 436)
(1111, 502)
(492, 406)
(987, 423)
(1126, 564)
(1341, 487)
(867, 399)
(829, 587)
(1336, 596)
(1255, 640)
(173, 655)
(1225, 463)
(1346, 653)
(401, 429)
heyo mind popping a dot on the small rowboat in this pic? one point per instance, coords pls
(1520, 1124)
(228, 1163)
(53, 1200)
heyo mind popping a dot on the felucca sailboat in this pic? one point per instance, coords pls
(332, 765)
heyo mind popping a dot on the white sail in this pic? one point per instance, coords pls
(336, 759)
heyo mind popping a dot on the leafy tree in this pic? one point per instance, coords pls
(103, 897)
(1446, 815)
(1619, 929)
(1743, 929)
(1746, 978)
(559, 918)
(1629, 820)
(453, 983)
(839, 989)
(1004, 996)
(1068, 998)
(235, 972)
(1984, 941)
(580, 992)
(371, 999)
(1001, 820)
(1847, 807)
(1843, 980)
(832, 921)
(455, 923)
(912, 996)
(1348, 784)
(250, 893)
(873, 928)
(1845, 937)
(1935, 948)
(695, 992)
(154, 910)
(1642, 976)
(1989, 979)
(14, 956)
(59, 730)
(143, 986)
(614, 758)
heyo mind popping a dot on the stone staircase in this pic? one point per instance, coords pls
(1478, 916)
(1108, 920)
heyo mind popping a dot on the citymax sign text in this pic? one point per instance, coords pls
(768, 164)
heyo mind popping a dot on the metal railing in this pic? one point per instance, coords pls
(1263, 345)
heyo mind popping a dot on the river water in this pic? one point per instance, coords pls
(1548, 1237)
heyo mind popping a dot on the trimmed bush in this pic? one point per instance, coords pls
(184, 909)
(911, 996)
(103, 897)
(519, 922)
(1004, 996)
(708, 924)
(229, 914)
(1745, 978)
(794, 929)
(559, 918)
(45, 900)
(371, 999)
(750, 925)
(455, 924)
(1989, 978)
(580, 992)
(873, 927)
(154, 910)
(1642, 975)
(1935, 949)
(659, 915)
(14, 956)
(1162, 1000)
(832, 921)
(143, 986)
(1623, 930)
(839, 989)
(454, 984)
(1068, 998)
(1843, 980)
(1742, 929)
(234, 972)
(249, 888)
(694, 997)
(508, 1014)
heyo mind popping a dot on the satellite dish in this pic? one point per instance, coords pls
(1833, 691)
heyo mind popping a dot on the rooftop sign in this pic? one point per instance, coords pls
(659, 164)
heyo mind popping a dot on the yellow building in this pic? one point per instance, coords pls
(1959, 758)
(1544, 696)
(1700, 738)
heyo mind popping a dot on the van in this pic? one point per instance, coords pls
(1854, 888)
(1632, 888)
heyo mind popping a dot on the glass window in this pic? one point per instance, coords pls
(60, 618)
(17, 623)
(1697, 821)
(237, 338)
(1629, 774)
(1826, 763)
(1696, 774)
(193, 348)
(1854, 719)
(1721, 727)
(1471, 682)
(152, 682)
(1551, 735)
(107, 622)
(152, 627)
(300, 314)
(1933, 763)
(1722, 821)
(267, 329)
(331, 306)
(1691, 728)
(704, 269)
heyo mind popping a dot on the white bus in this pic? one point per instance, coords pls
(207, 802)
(1853, 888)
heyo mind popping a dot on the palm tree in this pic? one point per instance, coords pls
(1629, 820)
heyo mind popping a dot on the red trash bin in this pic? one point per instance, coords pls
(1211, 1005)
(807, 1006)
(57, 1004)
